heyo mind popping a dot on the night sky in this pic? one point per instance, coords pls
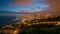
(23, 5)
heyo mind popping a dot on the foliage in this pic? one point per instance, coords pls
(38, 29)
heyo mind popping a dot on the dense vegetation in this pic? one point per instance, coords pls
(40, 29)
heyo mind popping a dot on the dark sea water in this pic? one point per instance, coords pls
(4, 20)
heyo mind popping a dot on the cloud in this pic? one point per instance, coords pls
(22, 2)
(55, 5)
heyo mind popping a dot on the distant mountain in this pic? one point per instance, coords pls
(21, 12)
(7, 12)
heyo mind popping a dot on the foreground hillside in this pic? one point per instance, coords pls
(33, 29)
(37, 26)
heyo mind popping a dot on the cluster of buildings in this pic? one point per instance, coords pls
(11, 29)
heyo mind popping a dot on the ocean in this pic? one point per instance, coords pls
(5, 20)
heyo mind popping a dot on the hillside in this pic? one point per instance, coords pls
(37, 26)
